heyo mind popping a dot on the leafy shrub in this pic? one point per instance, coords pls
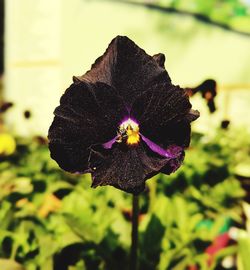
(53, 220)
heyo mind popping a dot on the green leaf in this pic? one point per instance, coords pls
(6, 264)
(151, 243)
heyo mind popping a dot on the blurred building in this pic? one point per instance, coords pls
(1, 36)
(47, 42)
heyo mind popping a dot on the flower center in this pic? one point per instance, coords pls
(129, 131)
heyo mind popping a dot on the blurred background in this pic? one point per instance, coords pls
(197, 218)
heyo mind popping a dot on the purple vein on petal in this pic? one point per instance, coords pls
(173, 151)
(109, 144)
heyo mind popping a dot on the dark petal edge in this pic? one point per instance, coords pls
(127, 68)
(138, 164)
(88, 114)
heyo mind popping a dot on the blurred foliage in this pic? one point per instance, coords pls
(54, 220)
(232, 13)
(244, 241)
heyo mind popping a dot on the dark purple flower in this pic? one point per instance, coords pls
(225, 124)
(5, 106)
(208, 90)
(27, 114)
(123, 121)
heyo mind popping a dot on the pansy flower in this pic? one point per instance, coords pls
(123, 121)
(208, 91)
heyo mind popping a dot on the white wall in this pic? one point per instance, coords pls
(49, 41)
(33, 62)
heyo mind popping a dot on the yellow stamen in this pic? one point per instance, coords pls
(131, 130)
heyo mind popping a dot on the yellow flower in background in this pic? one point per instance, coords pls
(7, 144)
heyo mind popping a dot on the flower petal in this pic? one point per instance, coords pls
(164, 113)
(173, 133)
(138, 164)
(160, 104)
(171, 152)
(160, 59)
(127, 68)
(88, 114)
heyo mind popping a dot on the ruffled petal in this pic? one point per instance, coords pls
(164, 114)
(88, 114)
(160, 104)
(139, 163)
(127, 68)
(173, 133)
(160, 59)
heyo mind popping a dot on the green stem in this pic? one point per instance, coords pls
(134, 234)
